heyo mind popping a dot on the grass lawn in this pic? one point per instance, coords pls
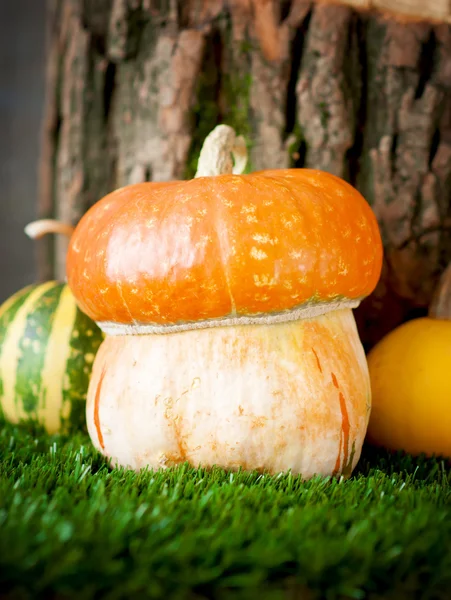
(71, 528)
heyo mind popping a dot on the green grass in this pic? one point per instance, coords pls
(72, 528)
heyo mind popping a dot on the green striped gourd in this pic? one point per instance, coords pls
(47, 347)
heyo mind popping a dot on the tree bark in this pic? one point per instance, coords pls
(133, 87)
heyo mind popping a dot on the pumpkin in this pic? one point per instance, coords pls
(410, 385)
(227, 303)
(47, 347)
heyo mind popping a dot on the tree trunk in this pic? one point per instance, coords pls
(133, 87)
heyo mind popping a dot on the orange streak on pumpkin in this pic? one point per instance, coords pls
(345, 428)
(96, 411)
(317, 361)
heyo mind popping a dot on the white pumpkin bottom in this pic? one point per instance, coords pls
(289, 396)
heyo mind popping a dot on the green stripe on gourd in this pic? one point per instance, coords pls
(84, 343)
(8, 311)
(32, 352)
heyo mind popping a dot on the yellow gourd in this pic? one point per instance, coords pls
(411, 384)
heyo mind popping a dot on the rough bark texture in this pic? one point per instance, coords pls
(135, 85)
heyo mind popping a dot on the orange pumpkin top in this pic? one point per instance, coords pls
(221, 250)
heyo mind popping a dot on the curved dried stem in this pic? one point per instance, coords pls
(38, 229)
(216, 155)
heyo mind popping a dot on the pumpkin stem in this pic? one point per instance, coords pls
(37, 229)
(216, 154)
(440, 306)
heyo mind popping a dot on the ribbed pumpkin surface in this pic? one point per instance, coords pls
(224, 247)
(47, 347)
